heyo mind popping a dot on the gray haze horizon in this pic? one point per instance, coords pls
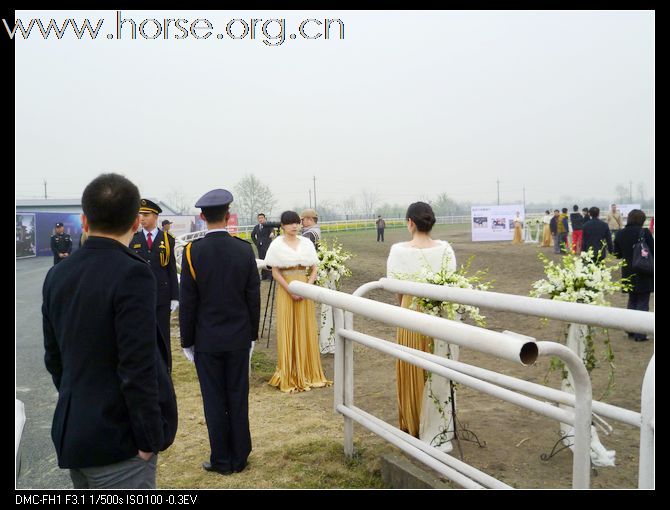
(408, 105)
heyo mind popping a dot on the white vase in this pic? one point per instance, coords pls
(326, 327)
(600, 456)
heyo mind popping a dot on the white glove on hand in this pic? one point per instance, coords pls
(174, 304)
(189, 353)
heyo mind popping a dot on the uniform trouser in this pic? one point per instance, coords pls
(380, 234)
(224, 383)
(133, 473)
(163, 318)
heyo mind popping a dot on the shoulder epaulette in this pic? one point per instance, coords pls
(187, 253)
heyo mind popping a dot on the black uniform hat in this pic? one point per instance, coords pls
(147, 206)
(215, 198)
(59, 224)
(167, 222)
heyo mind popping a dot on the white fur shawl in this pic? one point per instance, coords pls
(281, 254)
(409, 260)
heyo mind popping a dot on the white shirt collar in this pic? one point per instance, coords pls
(154, 233)
(216, 230)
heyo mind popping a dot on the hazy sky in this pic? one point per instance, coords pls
(409, 104)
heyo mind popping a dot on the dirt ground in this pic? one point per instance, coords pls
(514, 437)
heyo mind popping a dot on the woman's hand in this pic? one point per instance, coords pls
(295, 297)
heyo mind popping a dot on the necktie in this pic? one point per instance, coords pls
(150, 243)
(261, 227)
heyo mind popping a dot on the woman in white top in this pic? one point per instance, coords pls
(546, 233)
(293, 257)
(424, 405)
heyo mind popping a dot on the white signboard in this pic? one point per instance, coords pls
(624, 209)
(494, 222)
(180, 224)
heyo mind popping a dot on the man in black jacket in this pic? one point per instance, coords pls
(116, 405)
(157, 248)
(219, 312)
(260, 235)
(61, 244)
(596, 234)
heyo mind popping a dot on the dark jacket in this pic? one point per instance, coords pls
(60, 243)
(115, 396)
(219, 309)
(577, 221)
(261, 236)
(597, 235)
(624, 240)
(162, 249)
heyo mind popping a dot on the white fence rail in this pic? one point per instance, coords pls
(510, 346)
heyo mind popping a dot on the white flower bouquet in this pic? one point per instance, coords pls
(332, 265)
(445, 276)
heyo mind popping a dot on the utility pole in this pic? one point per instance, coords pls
(314, 178)
(310, 198)
(630, 192)
(524, 198)
(45, 189)
(498, 182)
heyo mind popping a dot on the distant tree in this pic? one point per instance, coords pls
(369, 199)
(251, 198)
(445, 206)
(179, 202)
(349, 207)
(622, 193)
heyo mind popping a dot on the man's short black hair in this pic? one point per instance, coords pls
(564, 210)
(111, 204)
(215, 214)
(594, 212)
(575, 208)
(260, 214)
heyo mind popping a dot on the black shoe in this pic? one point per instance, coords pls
(641, 339)
(239, 470)
(207, 466)
(630, 335)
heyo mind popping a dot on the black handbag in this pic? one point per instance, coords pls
(643, 260)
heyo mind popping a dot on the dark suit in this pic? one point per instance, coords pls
(166, 278)
(219, 312)
(115, 396)
(596, 235)
(60, 243)
(260, 235)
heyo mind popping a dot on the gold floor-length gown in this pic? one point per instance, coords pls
(410, 379)
(517, 233)
(298, 358)
(546, 237)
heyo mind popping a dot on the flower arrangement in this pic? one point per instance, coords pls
(332, 266)
(445, 276)
(533, 222)
(581, 279)
(578, 279)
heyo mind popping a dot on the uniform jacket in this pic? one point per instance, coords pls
(162, 260)
(115, 396)
(597, 235)
(219, 309)
(60, 243)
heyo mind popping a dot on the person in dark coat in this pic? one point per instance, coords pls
(260, 235)
(116, 404)
(642, 285)
(219, 312)
(157, 248)
(596, 235)
(61, 244)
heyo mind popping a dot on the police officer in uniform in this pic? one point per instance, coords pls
(157, 248)
(61, 244)
(167, 224)
(219, 312)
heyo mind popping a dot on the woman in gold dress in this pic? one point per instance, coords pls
(517, 230)
(293, 257)
(546, 233)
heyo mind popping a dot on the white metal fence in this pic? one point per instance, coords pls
(507, 345)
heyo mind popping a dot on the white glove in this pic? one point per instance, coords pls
(189, 353)
(174, 304)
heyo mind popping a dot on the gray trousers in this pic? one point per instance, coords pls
(133, 473)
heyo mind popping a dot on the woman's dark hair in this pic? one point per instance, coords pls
(289, 217)
(111, 204)
(636, 218)
(422, 215)
(547, 212)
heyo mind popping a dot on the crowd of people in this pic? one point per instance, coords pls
(106, 321)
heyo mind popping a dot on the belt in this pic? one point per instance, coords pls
(294, 268)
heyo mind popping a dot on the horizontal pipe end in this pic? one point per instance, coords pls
(529, 353)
